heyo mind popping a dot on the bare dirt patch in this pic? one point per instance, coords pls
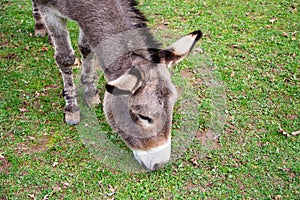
(208, 139)
(40, 146)
(187, 74)
(192, 76)
(33, 145)
(5, 165)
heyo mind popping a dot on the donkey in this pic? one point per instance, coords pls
(139, 96)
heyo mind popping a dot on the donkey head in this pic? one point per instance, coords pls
(139, 104)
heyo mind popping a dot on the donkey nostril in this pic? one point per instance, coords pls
(149, 120)
(156, 166)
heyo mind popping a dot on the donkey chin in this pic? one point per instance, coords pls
(154, 158)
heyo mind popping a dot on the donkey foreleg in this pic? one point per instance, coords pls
(88, 74)
(65, 58)
(39, 27)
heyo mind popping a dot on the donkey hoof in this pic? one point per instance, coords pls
(72, 114)
(72, 118)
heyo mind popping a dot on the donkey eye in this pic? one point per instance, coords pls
(148, 119)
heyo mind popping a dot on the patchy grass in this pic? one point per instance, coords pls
(255, 49)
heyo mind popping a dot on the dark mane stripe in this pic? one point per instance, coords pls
(140, 21)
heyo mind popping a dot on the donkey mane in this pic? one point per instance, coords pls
(138, 20)
(137, 15)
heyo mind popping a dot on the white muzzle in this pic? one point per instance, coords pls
(155, 158)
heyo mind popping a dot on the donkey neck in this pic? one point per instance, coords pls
(121, 51)
(114, 31)
(113, 27)
(99, 19)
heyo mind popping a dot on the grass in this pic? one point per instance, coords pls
(255, 49)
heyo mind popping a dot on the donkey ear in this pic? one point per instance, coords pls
(125, 84)
(180, 49)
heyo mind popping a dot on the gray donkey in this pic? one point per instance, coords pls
(140, 96)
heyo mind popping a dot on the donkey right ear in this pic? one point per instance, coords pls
(180, 49)
(125, 84)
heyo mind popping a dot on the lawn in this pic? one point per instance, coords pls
(241, 85)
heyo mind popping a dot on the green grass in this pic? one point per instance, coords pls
(255, 48)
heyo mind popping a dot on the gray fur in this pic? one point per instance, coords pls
(39, 27)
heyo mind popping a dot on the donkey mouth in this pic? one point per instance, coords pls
(154, 158)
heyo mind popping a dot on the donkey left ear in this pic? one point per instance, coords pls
(125, 84)
(180, 49)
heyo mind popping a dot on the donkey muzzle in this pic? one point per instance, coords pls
(154, 158)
